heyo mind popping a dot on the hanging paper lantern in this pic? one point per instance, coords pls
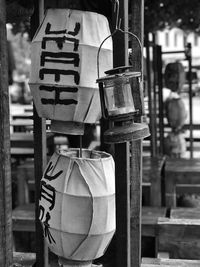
(174, 76)
(175, 145)
(176, 113)
(77, 204)
(64, 65)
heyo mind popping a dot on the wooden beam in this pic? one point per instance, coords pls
(122, 174)
(137, 28)
(122, 154)
(39, 155)
(5, 169)
(136, 201)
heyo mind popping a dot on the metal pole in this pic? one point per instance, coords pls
(160, 98)
(152, 116)
(189, 56)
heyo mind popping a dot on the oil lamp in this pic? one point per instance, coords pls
(117, 105)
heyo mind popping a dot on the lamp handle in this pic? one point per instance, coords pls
(112, 34)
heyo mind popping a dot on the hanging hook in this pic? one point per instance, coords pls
(117, 28)
(116, 10)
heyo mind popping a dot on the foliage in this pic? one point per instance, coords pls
(22, 27)
(159, 14)
(21, 53)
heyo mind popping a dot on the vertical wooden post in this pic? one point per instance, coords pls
(122, 174)
(137, 27)
(160, 97)
(40, 158)
(189, 56)
(152, 116)
(122, 156)
(155, 104)
(40, 163)
(136, 202)
(5, 169)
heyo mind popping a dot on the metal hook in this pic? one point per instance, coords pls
(117, 28)
(116, 10)
(111, 35)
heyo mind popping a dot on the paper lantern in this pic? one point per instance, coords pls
(174, 76)
(77, 204)
(175, 145)
(176, 112)
(64, 65)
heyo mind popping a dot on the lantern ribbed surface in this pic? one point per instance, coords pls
(77, 203)
(64, 64)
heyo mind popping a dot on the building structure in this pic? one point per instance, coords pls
(174, 40)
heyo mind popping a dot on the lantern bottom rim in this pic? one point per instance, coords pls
(69, 262)
(67, 127)
(125, 133)
(123, 117)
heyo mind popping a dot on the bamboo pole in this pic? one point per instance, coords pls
(5, 169)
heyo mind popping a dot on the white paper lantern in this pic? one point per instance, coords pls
(64, 65)
(77, 204)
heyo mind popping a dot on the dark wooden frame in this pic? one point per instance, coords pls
(5, 168)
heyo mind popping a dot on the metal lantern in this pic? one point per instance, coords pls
(116, 94)
(63, 66)
(77, 204)
(117, 104)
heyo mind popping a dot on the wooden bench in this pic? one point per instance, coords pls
(23, 218)
(179, 235)
(25, 181)
(24, 259)
(22, 152)
(183, 174)
(23, 226)
(152, 178)
(21, 125)
(150, 262)
(150, 216)
(22, 144)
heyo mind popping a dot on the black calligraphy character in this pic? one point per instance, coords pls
(41, 212)
(58, 91)
(51, 177)
(74, 33)
(48, 30)
(60, 40)
(58, 72)
(62, 57)
(76, 29)
(48, 193)
(47, 232)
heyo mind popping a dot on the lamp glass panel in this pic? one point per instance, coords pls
(118, 97)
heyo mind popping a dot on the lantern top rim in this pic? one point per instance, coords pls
(119, 72)
(87, 154)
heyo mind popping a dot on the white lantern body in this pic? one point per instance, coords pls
(64, 64)
(77, 204)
